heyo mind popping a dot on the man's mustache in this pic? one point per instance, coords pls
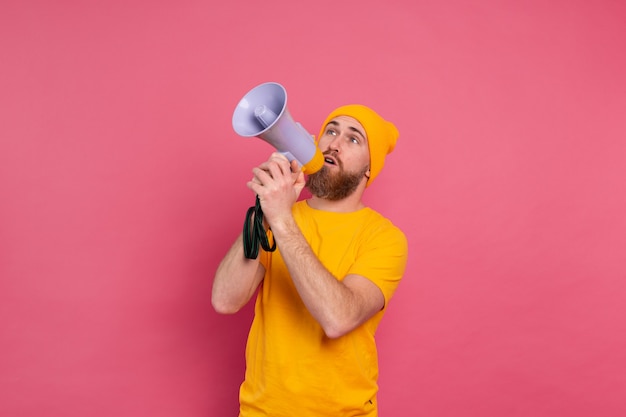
(335, 156)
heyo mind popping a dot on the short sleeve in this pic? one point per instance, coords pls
(382, 257)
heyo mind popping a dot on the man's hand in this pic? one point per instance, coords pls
(278, 183)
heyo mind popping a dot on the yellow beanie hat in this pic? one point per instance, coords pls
(381, 134)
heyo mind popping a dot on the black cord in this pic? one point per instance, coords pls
(254, 232)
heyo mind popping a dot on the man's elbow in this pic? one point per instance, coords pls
(223, 306)
(338, 329)
(341, 324)
(334, 334)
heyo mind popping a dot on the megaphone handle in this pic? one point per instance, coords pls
(290, 157)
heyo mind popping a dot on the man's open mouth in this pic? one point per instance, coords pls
(330, 160)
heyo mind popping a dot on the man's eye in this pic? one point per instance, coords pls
(331, 132)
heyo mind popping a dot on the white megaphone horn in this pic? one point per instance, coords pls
(263, 113)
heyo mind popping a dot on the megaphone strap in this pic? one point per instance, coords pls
(254, 232)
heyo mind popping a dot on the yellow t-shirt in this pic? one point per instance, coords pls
(292, 368)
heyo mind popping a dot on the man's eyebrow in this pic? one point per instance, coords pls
(354, 129)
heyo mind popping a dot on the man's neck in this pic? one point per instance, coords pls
(346, 205)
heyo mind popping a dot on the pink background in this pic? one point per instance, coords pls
(122, 185)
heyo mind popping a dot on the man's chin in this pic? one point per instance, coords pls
(333, 184)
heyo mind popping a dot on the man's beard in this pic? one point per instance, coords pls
(334, 186)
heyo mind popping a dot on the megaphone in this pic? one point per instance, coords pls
(263, 113)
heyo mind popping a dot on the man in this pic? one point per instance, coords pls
(322, 293)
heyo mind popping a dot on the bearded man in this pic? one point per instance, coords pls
(321, 295)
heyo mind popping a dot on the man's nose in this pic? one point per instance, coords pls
(335, 143)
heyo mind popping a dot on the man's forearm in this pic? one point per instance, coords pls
(236, 280)
(335, 306)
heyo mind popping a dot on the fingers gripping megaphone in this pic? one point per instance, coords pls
(263, 113)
